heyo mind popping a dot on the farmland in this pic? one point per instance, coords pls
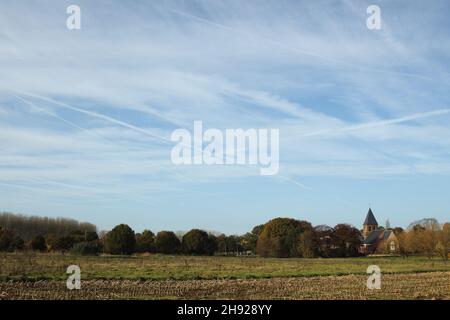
(42, 276)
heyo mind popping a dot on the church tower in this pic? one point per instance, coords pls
(370, 224)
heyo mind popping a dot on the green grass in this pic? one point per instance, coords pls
(32, 267)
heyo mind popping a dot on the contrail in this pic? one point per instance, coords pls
(24, 187)
(96, 115)
(31, 104)
(297, 50)
(188, 179)
(382, 123)
(298, 184)
(117, 122)
(72, 124)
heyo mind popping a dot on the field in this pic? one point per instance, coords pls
(42, 276)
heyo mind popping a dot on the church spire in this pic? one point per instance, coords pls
(370, 219)
(370, 224)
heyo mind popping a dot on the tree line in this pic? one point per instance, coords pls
(26, 227)
(279, 237)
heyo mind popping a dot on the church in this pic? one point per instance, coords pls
(376, 239)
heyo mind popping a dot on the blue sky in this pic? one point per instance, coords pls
(363, 115)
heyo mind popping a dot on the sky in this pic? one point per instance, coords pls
(86, 115)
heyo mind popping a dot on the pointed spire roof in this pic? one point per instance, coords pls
(370, 218)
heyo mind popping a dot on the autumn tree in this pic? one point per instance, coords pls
(346, 240)
(429, 239)
(281, 238)
(443, 242)
(402, 237)
(307, 246)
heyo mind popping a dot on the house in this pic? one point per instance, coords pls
(377, 239)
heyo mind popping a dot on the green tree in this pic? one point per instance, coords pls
(221, 242)
(90, 236)
(83, 236)
(5, 240)
(167, 242)
(234, 244)
(59, 243)
(18, 243)
(38, 243)
(250, 238)
(120, 240)
(324, 237)
(198, 242)
(65, 243)
(10, 241)
(145, 241)
(231, 244)
(211, 247)
(86, 248)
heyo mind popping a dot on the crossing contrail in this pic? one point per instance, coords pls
(96, 115)
(377, 124)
